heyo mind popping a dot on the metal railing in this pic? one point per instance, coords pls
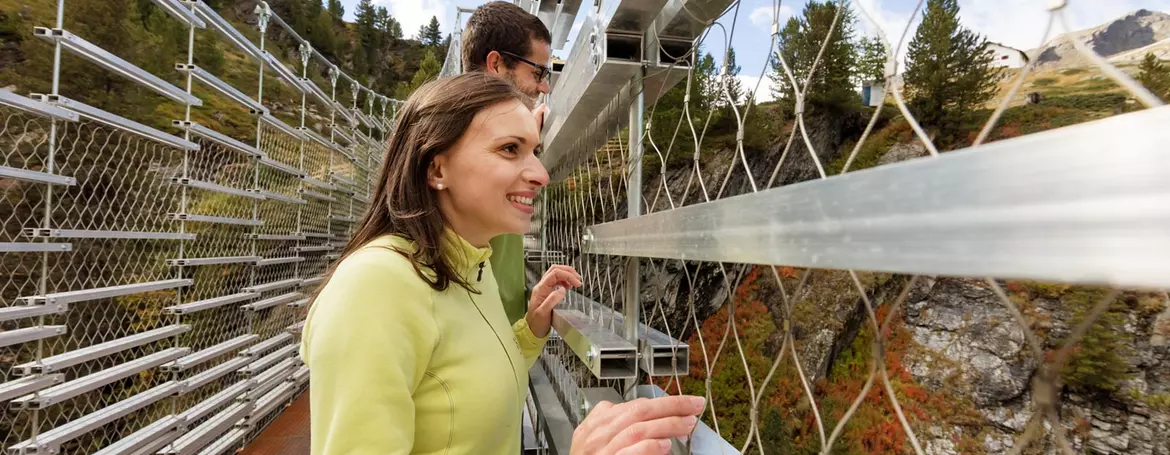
(675, 229)
(153, 282)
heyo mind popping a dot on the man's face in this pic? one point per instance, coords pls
(524, 76)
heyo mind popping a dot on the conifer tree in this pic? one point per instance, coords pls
(336, 10)
(1155, 76)
(801, 39)
(948, 69)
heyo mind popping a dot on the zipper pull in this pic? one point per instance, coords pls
(480, 277)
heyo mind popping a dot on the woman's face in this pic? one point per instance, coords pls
(490, 177)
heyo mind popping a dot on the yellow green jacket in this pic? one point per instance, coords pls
(399, 368)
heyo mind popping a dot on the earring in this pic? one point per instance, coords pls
(439, 187)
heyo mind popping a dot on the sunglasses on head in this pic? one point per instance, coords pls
(542, 72)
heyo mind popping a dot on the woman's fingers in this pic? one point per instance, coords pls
(653, 430)
(562, 274)
(620, 417)
(647, 447)
(554, 298)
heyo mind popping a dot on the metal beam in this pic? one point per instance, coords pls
(214, 219)
(27, 385)
(606, 354)
(220, 86)
(219, 24)
(1069, 214)
(271, 302)
(33, 106)
(56, 394)
(205, 304)
(263, 363)
(558, 429)
(279, 124)
(227, 443)
(213, 373)
(277, 196)
(95, 234)
(216, 137)
(180, 13)
(198, 358)
(161, 429)
(86, 295)
(114, 64)
(34, 247)
(275, 261)
(120, 122)
(209, 431)
(50, 441)
(29, 311)
(208, 186)
(214, 261)
(286, 168)
(67, 359)
(225, 396)
(264, 346)
(661, 355)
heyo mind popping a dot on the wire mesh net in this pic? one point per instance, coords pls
(179, 273)
(802, 360)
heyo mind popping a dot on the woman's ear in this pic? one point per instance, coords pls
(435, 178)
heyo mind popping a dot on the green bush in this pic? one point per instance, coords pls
(1098, 362)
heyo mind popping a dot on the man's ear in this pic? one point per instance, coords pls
(494, 63)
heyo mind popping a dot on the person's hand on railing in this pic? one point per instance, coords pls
(639, 427)
(547, 294)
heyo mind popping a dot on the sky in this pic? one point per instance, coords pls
(1016, 23)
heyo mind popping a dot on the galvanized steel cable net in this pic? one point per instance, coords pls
(154, 281)
(151, 302)
(674, 228)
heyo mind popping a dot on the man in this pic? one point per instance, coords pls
(502, 38)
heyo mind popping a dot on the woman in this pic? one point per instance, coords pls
(407, 342)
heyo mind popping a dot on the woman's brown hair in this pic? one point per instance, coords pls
(431, 122)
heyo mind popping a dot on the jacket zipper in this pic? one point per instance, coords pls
(480, 276)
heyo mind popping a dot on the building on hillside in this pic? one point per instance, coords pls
(1006, 56)
(872, 92)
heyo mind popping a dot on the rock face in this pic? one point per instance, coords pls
(964, 324)
(971, 345)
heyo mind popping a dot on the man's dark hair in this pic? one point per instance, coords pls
(500, 26)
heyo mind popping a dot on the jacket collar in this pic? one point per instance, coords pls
(466, 258)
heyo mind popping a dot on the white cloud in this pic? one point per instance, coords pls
(413, 14)
(762, 17)
(763, 92)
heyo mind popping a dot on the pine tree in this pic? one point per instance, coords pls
(431, 35)
(381, 24)
(948, 69)
(734, 87)
(830, 85)
(871, 59)
(364, 47)
(1155, 76)
(336, 10)
(709, 89)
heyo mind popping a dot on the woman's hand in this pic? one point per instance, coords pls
(547, 294)
(639, 427)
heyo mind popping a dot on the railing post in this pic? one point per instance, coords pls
(47, 221)
(263, 15)
(634, 208)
